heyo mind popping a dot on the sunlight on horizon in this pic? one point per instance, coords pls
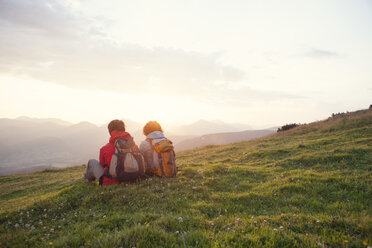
(261, 64)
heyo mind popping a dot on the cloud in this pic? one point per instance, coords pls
(49, 41)
(318, 53)
(52, 41)
(42, 18)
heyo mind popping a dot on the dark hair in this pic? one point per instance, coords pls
(150, 127)
(116, 125)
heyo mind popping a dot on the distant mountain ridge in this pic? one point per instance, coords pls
(42, 120)
(203, 127)
(27, 143)
(221, 139)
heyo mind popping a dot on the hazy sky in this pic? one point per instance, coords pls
(258, 62)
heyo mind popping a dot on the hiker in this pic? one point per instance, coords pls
(102, 169)
(158, 151)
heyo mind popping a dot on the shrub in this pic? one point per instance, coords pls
(287, 127)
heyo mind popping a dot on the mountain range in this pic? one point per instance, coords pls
(221, 138)
(33, 143)
(203, 127)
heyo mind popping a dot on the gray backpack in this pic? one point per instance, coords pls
(126, 164)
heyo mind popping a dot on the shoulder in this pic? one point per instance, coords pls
(145, 145)
(107, 147)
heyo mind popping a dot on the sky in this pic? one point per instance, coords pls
(262, 63)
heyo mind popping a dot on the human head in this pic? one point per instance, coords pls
(150, 127)
(116, 125)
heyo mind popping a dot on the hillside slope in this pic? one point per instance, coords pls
(306, 187)
(221, 139)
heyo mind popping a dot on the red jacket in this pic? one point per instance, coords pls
(106, 152)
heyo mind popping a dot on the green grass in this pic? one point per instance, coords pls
(306, 187)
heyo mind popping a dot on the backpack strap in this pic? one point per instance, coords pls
(151, 147)
(173, 159)
(160, 158)
(105, 174)
(161, 166)
(150, 142)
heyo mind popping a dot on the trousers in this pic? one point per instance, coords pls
(94, 170)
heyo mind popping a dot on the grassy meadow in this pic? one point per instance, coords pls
(306, 187)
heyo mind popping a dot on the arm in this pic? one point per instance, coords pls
(136, 147)
(101, 157)
(145, 149)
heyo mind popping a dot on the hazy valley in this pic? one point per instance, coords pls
(28, 144)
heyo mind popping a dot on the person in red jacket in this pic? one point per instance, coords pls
(96, 169)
